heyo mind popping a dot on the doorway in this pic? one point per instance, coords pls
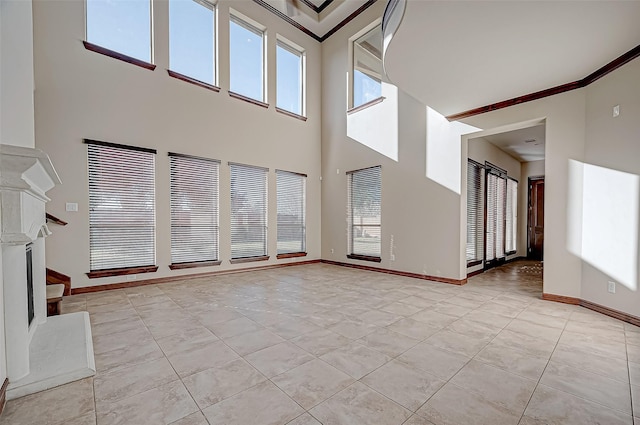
(535, 219)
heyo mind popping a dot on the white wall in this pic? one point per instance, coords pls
(529, 169)
(611, 188)
(82, 94)
(3, 360)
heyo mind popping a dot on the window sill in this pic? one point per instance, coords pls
(193, 81)
(122, 271)
(510, 253)
(291, 114)
(248, 259)
(291, 255)
(119, 56)
(365, 105)
(179, 266)
(474, 263)
(248, 99)
(364, 258)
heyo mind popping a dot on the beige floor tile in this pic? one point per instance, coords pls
(501, 309)
(116, 305)
(632, 338)
(320, 342)
(186, 341)
(161, 405)
(598, 345)
(215, 315)
(434, 318)
(552, 407)
(525, 343)
(635, 397)
(379, 317)
(132, 380)
(133, 354)
(422, 303)
(86, 419)
(513, 360)
(457, 343)
(147, 298)
(453, 405)
(403, 309)
(214, 385)
(473, 329)
(497, 386)
(45, 407)
(451, 309)
(488, 318)
(163, 329)
(534, 330)
(304, 419)
(102, 318)
(312, 383)
(388, 342)
(634, 373)
(358, 404)
(417, 420)
(193, 419)
(607, 366)
(263, 404)
(234, 327)
(292, 328)
(436, 361)
(353, 329)
(633, 353)
(597, 388)
(604, 330)
(532, 316)
(115, 341)
(355, 359)
(123, 325)
(278, 359)
(213, 354)
(413, 328)
(251, 342)
(406, 385)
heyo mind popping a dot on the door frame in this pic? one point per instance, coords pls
(529, 181)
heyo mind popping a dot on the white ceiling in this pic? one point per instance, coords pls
(526, 144)
(459, 55)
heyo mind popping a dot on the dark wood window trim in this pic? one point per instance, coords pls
(364, 258)
(118, 146)
(53, 219)
(291, 255)
(193, 81)
(248, 259)
(474, 263)
(179, 266)
(291, 114)
(248, 99)
(366, 105)
(119, 56)
(122, 271)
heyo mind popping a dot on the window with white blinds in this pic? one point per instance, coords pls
(248, 211)
(291, 189)
(474, 212)
(122, 219)
(194, 209)
(511, 219)
(364, 213)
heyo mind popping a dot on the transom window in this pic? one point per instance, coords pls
(367, 67)
(192, 44)
(364, 213)
(246, 62)
(290, 78)
(121, 26)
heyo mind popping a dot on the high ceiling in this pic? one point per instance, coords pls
(455, 56)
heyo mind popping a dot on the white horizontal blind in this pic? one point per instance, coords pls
(511, 218)
(364, 212)
(248, 211)
(500, 215)
(121, 206)
(290, 189)
(474, 211)
(490, 231)
(194, 209)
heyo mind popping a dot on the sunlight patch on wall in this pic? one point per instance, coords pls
(610, 213)
(444, 149)
(377, 126)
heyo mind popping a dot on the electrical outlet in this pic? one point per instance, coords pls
(393, 257)
(611, 287)
(132, 276)
(616, 111)
(332, 250)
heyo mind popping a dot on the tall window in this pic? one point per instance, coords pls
(364, 213)
(474, 212)
(246, 45)
(291, 212)
(194, 210)
(290, 78)
(248, 211)
(367, 67)
(122, 26)
(192, 39)
(122, 219)
(511, 219)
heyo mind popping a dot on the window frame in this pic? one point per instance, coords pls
(131, 151)
(351, 107)
(294, 49)
(195, 165)
(303, 241)
(513, 218)
(350, 216)
(477, 213)
(258, 29)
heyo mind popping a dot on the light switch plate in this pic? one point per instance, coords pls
(71, 207)
(616, 111)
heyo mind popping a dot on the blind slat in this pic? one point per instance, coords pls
(364, 211)
(248, 211)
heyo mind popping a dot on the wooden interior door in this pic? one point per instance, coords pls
(536, 219)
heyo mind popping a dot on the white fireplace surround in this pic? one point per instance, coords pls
(49, 351)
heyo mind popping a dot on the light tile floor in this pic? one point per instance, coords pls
(320, 344)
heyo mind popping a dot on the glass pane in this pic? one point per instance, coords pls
(121, 25)
(367, 67)
(191, 39)
(246, 61)
(289, 80)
